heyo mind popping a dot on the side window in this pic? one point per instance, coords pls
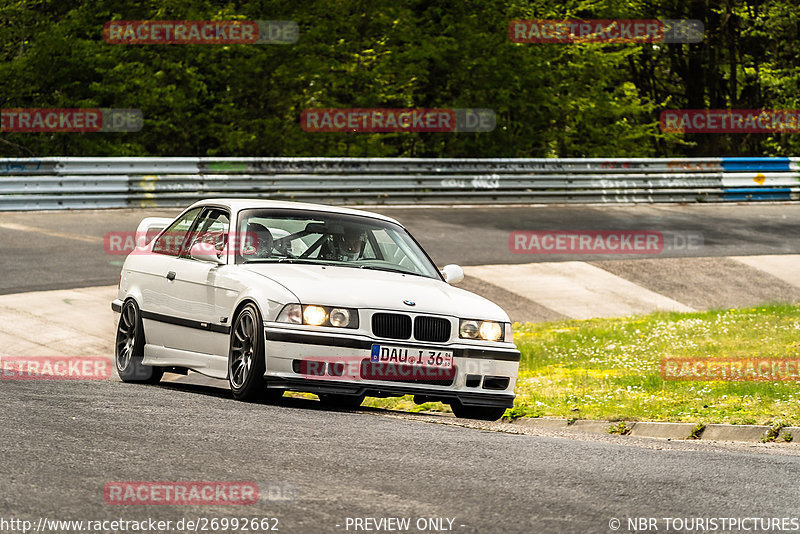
(169, 243)
(211, 230)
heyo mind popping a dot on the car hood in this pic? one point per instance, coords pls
(367, 289)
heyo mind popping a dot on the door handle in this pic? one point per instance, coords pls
(171, 276)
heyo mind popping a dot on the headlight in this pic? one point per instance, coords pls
(491, 331)
(340, 317)
(469, 329)
(486, 330)
(314, 315)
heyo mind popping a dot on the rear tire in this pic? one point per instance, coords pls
(129, 348)
(337, 400)
(482, 413)
(246, 358)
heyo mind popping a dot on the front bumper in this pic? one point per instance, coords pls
(483, 376)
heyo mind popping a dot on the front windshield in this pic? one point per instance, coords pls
(294, 236)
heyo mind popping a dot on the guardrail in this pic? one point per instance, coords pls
(75, 183)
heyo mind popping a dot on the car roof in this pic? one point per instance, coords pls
(237, 204)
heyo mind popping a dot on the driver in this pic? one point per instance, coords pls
(261, 237)
(349, 245)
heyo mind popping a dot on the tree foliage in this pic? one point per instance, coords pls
(551, 100)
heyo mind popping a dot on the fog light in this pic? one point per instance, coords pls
(314, 315)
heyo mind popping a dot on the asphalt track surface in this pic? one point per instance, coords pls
(62, 442)
(64, 249)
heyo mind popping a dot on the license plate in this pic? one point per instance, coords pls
(442, 359)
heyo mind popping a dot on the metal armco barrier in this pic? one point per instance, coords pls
(83, 183)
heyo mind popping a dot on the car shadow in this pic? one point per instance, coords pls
(212, 387)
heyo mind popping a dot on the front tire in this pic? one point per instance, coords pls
(246, 358)
(482, 413)
(129, 348)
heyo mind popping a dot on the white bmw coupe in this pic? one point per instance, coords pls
(276, 296)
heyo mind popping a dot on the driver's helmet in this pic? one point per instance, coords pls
(349, 245)
(259, 241)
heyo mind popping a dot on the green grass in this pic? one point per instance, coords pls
(609, 368)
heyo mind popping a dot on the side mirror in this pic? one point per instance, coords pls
(453, 274)
(206, 252)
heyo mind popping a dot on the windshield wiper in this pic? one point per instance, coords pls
(388, 270)
(332, 264)
(300, 260)
(284, 260)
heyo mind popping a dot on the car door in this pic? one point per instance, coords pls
(155, 280)
(200, 302)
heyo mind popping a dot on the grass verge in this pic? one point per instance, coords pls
(609, 368)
